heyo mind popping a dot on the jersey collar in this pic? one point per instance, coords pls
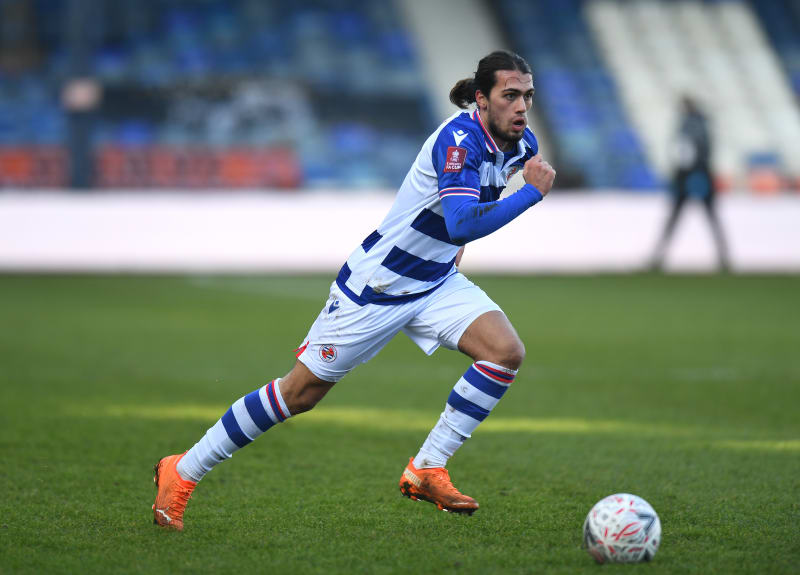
(490, 143)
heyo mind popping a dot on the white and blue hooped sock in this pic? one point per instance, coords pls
(246, 419)
(472, 398)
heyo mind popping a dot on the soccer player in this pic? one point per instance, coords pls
(403, 277)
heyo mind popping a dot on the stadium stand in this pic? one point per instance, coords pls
(714, 51)
(184, 103)
(781, 22)
(577, 95)
(334, 93)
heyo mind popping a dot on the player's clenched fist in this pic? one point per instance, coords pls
(538, 173)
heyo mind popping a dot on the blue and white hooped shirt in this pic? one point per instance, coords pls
(450, 196)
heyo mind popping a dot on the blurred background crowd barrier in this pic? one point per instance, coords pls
(280, 94)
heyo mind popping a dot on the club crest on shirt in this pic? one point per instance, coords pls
(327, 353)
(454, 160)
(513, 170)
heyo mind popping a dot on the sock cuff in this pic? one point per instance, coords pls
(498, 373)
(277, 403)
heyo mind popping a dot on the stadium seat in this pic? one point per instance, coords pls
(715, 52)
(576, 94)
(189, 58)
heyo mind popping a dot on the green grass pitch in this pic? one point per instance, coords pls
(684, 390)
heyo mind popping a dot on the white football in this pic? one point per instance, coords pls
(622, 528)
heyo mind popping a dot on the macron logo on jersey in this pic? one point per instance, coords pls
(459, 136)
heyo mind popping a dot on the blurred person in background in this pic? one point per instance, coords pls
(403, 277)
(692, 178)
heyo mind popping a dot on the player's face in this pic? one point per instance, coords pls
(505, 111)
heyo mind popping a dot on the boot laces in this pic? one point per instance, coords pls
(180, 497)
(442, 477)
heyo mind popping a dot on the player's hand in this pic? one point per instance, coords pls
(538, 173)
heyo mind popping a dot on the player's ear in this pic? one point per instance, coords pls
(481, 100)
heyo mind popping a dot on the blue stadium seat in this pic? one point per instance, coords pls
(178, 49)
(576, 95)
(781, 21)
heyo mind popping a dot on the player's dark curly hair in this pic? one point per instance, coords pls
(463, 93)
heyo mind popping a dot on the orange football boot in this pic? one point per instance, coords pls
(434, 485)
(173, 493)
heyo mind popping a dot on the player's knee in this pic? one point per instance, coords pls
(509, 352)
(515, 354)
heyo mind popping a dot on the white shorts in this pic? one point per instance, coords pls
(346, 334)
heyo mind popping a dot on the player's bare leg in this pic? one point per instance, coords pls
(491, 337)
(494, 345)
(176, 476)
(302, 390)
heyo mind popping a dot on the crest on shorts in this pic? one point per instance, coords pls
(327, 352)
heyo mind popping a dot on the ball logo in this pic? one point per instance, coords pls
(327, 353)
